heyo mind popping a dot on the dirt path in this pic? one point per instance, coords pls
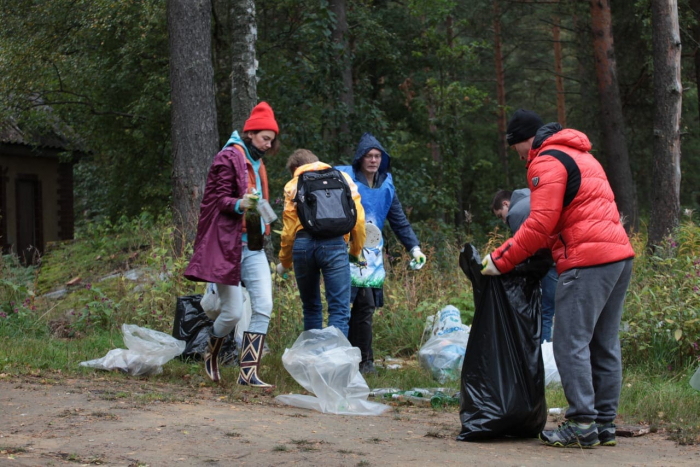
(133, 423)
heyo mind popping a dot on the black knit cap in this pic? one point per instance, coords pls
(523, 125)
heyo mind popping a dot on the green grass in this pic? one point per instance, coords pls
(655, 390)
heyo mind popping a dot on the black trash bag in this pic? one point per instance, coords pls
(194, 327)
(502, 390)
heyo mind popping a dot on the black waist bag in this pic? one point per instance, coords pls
(502, 387)
(324, 203)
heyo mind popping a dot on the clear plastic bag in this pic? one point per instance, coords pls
(551, 373)
(443, 353)
(695, 380)
(211, 303)
(148, 351)
(325, 364)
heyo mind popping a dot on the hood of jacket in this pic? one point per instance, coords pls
(519, 195)
(553, 134)
(368, 142)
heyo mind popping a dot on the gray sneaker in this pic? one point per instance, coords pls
(571, 435)
(367, 368)
(606, 434)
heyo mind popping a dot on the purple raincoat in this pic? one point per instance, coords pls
(217, 248)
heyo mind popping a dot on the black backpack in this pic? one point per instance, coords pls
(324, 203)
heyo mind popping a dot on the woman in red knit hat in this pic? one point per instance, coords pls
(222, 251)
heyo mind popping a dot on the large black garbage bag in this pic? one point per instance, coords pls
(502, 390)
(194, 327)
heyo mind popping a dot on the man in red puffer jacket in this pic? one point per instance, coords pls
(573, 212)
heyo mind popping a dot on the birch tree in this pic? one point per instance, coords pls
(666, 41)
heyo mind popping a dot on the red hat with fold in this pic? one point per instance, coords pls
(261, 118)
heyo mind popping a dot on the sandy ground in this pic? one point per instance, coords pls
(135, 423)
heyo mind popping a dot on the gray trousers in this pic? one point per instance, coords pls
(586, 342)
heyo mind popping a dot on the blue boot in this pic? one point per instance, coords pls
(249, 360)
(211, 358)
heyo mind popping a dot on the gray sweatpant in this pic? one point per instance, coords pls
(586, 342)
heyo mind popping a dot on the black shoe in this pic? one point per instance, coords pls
(606, 434)
(367, 368)
(571, 435)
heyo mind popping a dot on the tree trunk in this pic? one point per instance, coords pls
(695, 6)
(665, 204)
(500, 91)
(343, 60)
(612, 122)
(559, 77)
(221, 10)
(244, 84)
(193, 112)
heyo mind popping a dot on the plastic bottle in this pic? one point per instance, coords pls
(440, 399)
(415, 265)
(265, 210)
(253, 228)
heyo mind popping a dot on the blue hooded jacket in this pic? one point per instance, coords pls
(395, 215)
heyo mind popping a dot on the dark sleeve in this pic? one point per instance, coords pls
(400, 225)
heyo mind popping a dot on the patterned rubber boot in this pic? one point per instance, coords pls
(249, 360)
(211, 358)
(571, 434)
(606, 434)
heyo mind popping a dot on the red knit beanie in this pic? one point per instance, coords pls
(261, 118)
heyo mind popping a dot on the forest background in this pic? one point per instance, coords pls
(142, 88)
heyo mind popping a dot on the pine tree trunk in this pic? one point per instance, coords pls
(612, 122)
(193, 111)
(695, 6)
(343, 60)
(665, 207)
(559, 77)
(244, 84)
(221, 10)
(500, 91)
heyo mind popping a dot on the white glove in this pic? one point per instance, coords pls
(248, 201)
(418, 255)
(488, 268)
(281, 270)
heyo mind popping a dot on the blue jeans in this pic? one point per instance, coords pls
(549, 288)
(313, 257)
(255, 275)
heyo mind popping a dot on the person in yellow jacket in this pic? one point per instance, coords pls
(313, 256)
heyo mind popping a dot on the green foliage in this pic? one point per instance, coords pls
(661, 324)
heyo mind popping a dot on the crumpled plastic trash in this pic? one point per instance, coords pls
(551, 373)
(147, 352)
(325, 364)
(695, 380)
(443, 353)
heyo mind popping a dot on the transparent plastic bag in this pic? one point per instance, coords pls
(211, 303)
(443, 353)
(148, 351)
(695, 380)
(325, 364)
(551, 373)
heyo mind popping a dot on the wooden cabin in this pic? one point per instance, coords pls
(36, 192)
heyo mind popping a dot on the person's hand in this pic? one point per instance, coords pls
(358, 260)
(488, 268)
(248, 201)
(418, 255)
(281, 271)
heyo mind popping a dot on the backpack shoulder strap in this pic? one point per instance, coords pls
(573, 173)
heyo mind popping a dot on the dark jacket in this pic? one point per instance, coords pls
(396, 216)
(218, 245)
(571, 205)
